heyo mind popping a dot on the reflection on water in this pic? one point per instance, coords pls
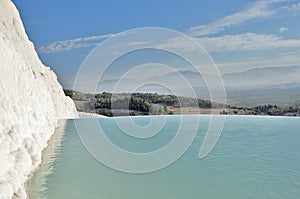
(37, 186)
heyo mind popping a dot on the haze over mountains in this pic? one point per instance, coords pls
(257, 77)
(256, 86)
(263, 77)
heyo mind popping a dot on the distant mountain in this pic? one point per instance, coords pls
(257, 77)
(263, 77)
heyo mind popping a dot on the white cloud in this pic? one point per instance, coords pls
(71, 44)
(239, 42)
(294, 8)
(258, 10)
(178, 43)
(225, 43)
(247, 42)
(283, 29)
(67, 45)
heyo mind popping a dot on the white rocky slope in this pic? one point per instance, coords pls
(31, 102)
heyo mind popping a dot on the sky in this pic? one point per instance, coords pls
(238, 35)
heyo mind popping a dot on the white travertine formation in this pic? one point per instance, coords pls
(31, 103)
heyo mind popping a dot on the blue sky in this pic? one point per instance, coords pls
(239, 35)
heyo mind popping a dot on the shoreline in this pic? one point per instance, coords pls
(86, 115)
(185, 114)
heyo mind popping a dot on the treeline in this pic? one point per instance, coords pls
(142, 101)
(136, 103)
(269, 109)
(276, 110)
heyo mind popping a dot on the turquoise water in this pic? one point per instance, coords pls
(255, 157)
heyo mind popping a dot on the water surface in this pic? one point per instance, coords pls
(256, 157)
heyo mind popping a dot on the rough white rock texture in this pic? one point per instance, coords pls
(31, 102)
